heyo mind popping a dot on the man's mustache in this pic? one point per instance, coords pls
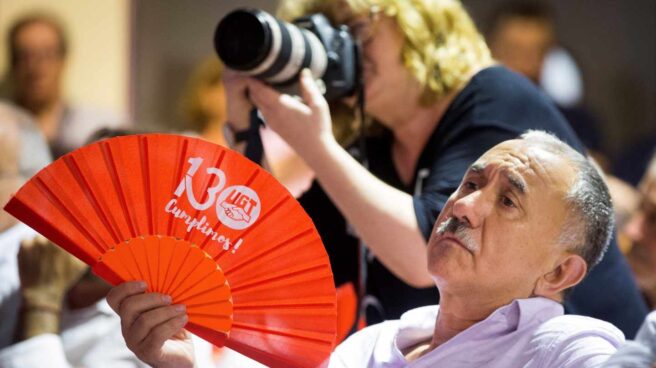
(460, 230)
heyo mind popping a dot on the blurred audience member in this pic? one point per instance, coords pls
(641, 230)
(626, 199)
(37, 53)
(53, 309)
(203, 104)
(640, 352)
(632, 162)
(521, 35)
(34, 153)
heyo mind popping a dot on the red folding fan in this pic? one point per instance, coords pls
(201, 223)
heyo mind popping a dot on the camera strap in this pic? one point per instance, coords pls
(254, 147)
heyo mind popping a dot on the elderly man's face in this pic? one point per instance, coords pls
(511, 204)
(39, 64)
(641, 230)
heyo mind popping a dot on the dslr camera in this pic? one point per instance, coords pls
(259, 45)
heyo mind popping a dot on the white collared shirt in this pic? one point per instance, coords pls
(528, 333)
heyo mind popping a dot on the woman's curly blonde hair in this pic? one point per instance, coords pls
(442, 45)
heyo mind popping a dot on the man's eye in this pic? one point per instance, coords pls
(470, 185)
(507, 202)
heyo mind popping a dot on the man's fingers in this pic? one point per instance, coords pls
(135, 305)
(117, 294)
(146, 322)
(160, 333)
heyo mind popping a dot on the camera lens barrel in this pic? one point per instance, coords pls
(259, 45)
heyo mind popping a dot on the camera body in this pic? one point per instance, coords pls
(257, 44)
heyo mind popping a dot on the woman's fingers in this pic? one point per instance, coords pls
(310, 90)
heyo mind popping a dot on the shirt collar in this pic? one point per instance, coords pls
(418, 324)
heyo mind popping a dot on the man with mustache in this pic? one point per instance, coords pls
(529, 220)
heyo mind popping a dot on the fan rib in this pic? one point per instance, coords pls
(175, 289)
(177, 295)
(256, 256)
(107, 219)
(294, 334)
(198, 305)
(176, 275)
(166, 273)
(252, 177)
(210, 316)
(145, 171)
(136, 262)
(110, 163)
(177, 177)
(132, 276)
(152, 280)
(247, 286)
(258, 307)
(71, 217)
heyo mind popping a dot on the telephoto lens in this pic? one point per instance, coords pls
(257, 44)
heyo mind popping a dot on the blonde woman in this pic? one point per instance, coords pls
(432, 85)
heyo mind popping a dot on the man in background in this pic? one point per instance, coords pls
(641, 231)
(38, 50)
(53, 309)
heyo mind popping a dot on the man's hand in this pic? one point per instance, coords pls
(151, 326)
(46, 273)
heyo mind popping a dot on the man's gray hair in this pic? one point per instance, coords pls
(590, 224)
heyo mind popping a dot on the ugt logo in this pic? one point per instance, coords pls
(237, 206)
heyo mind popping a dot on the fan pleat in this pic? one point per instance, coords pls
(175, 179)
(94, 200)
(67, 211)
(110, 164)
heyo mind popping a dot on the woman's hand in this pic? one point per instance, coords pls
(238, 105)
(151, 326)
(304, 124)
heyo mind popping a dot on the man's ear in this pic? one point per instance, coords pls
(567, 272)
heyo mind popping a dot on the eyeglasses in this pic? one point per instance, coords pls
(364, 27)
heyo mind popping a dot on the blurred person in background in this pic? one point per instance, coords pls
(203, 105)
(641, 231)
(38, 50)
(53, 309)
(639, 352)
(522, 36)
